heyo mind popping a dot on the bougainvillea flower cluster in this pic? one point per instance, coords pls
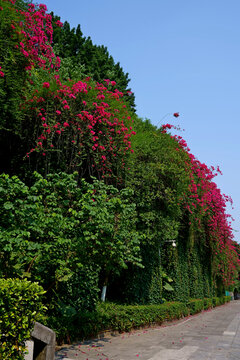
(86, 119)
(33, 28)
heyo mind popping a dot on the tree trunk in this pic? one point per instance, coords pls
(104, 288)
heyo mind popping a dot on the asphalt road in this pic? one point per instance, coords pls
(212, 334)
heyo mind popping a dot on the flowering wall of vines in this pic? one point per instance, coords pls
(87, 127)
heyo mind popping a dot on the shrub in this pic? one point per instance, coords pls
(20, 307)
(195, 305)
(208, 303)
(109, 316)
(121, 318)
(217, 301)
(227, 298)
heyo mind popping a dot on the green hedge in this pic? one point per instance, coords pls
(195, 305)
(20, 307)
(122, 318)
(220, 300)
(208, 303)
(113, 317)
(227, 299)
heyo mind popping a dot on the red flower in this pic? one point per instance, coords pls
(59, 23)
(176, 114)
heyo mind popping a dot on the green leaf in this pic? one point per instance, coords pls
(8, 205)
(168, 287)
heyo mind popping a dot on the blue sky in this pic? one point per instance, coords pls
(181, 56)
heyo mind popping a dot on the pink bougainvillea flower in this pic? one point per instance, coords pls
(46, 85)
(43, 7)
(31, 6)
(59, 23)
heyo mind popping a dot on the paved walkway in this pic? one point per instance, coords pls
(212, 334)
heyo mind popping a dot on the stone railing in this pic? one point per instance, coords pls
(41, 346)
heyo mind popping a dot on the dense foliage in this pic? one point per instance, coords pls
(58, 227)
(20, 307)
(177, 199)
(92, 194)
